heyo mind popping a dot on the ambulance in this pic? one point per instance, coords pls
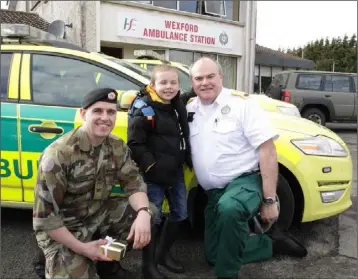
(43, 81)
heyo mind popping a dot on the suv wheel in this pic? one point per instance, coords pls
(315, 115)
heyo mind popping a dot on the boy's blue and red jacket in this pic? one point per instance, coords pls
(158, 136)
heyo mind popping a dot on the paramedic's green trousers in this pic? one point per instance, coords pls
(227, 241)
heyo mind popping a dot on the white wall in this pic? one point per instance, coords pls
(82, 15)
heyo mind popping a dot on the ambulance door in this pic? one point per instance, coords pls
(11, 187)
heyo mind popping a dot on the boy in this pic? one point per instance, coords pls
(160, 147)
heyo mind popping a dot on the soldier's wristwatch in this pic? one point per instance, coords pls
(269, 200)
(145, 209)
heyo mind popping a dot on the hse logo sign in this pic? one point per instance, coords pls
(129, 24)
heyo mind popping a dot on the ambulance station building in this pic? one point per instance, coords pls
(180, 31)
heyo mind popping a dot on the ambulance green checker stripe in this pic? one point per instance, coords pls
(34, 115)
(9, 138)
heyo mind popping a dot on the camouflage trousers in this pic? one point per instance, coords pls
(114, 219)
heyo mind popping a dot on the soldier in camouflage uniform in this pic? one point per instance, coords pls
(73, 201)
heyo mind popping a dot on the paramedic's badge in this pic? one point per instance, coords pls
(111, 96)
(225, 110)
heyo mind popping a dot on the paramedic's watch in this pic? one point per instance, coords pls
(145, 209)
(269, 201)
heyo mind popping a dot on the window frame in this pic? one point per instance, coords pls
(299, 75)
(201, 7)
(214, 14)
(8, 74)
(350, 79)
(68, 56)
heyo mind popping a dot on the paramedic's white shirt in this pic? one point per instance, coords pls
(225, 144)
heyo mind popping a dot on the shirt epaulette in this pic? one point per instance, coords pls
(241, 94)
(190, 100)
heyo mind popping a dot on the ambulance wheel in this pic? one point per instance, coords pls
(287, 203)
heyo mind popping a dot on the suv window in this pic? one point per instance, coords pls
(5, 73)
(280, 80)
(64, 81)
(309, 81)
(337, 84)
(355, 83)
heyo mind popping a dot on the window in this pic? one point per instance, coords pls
(166, 4)
(312, 82)
(185, 83)
(229, 67)
(190, 6)
(355, 83)
(280, 80)
(215, 8)
(5, 73)
(229, 9)
(337, 84)
(184, 57)
(64, 81)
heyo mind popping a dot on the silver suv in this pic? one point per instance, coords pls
(320, 96)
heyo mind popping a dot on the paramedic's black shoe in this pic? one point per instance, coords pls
(283, 243)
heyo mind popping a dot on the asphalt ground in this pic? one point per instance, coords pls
(331, 244)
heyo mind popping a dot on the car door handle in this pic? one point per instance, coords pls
(328, 96)
(41, 129)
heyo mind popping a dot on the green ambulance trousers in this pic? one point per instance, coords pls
(227, 242)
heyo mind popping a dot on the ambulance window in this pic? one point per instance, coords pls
(64, 81)
(5, 72)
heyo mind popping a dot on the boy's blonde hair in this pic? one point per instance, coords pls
(162, 68)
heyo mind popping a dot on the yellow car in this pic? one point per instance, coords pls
(41, 90)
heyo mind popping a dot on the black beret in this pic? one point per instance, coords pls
(108, 95)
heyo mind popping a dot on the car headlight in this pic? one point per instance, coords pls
(320, 146)
(293, 111)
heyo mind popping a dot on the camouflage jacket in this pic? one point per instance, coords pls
(74, 181)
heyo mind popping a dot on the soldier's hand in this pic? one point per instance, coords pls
(92, 250)
(140, 230)
(269, 213)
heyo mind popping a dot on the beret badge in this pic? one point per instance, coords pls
(111, 96)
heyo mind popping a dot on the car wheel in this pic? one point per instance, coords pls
(315, 115)
(287, 203)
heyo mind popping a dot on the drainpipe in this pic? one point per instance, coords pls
(252, 44)
(83, 23)
(27, 6)
(247, 46)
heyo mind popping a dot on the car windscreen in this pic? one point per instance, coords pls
(133, 67)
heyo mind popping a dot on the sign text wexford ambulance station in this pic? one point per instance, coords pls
(173, 30)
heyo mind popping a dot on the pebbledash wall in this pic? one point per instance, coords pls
(119, 28)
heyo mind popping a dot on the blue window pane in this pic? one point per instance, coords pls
(188, 6)
(166, 4)
(229, 9)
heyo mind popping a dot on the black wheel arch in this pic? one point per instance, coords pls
(325, 105)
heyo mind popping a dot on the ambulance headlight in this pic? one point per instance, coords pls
(320, 146)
